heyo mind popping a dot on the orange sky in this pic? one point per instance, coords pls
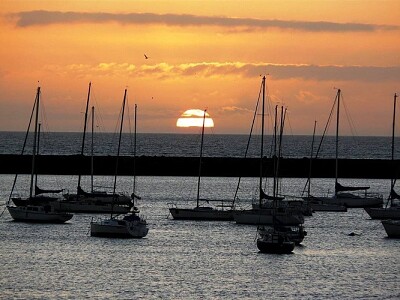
(203, 54)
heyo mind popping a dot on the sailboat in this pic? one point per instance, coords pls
(35, 208)
(392, 208)
(274, 242)
(202, 212)
(275, 239)
(263, 214)
(130, 225)
(343, 195)
(93, 201)
(315, 203)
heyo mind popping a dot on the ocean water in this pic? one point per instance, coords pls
(215, 145)
(195, 260)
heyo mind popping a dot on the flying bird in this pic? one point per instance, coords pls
(145, 56)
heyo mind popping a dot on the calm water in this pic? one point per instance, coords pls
(196, 260)
(215, 145)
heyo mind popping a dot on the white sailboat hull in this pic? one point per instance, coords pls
(266, 217)
(199, 213)
(384, 213)
(115, 228)
(392, 228)
(37, 214)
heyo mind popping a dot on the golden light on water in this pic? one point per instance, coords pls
(194, 118)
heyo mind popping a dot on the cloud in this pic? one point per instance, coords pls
(215, 69)
(235, 110)
(43, 17)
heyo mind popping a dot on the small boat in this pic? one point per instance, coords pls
(203, 213)
(36, 207)
(274, 242)
(392, 208)
(392, 228)
(131, 225)
(349, 196)
(38, 214)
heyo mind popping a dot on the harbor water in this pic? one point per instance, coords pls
(196, 260)
(188, 145)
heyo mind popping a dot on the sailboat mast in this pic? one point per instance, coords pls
(311, 158)
(392, 182)
(37, 152)
(91, 153)
(34, 141)
(337, 139)
(275, 147)
(201, 156)
(84, 132)
(262, 141)
(134, 156)
(282, 125)
(119, 142)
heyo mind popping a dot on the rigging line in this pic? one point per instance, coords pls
(248, 140)
(290, 128)
(349, 119)
(99, 114)
(326, 126)
(308, 182)
(43, 115)
(129, 126)
(23, 147)
(114, 137)
(3, 211)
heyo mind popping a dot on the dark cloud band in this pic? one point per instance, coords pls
(42, 17)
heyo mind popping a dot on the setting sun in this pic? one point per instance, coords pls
(194, 118)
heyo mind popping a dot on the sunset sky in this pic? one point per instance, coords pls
(201, 54)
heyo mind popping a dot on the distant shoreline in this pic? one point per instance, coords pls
(197, 133)
(188, 166)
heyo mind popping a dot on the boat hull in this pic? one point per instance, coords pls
(106, 199)
(113, 228)
(89, 207)
(284, 247)
(266, 217)
(201, 214)
(352, 201)
(384, 213)
(28, 214)
(328, 207)
(37, 200)
(392, 228)
(318, 205)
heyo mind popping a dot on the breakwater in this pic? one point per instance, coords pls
(189, 166)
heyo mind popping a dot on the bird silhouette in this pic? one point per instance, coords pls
(145, 56)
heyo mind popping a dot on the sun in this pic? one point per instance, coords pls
(194, 118)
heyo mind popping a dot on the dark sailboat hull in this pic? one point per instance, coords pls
(275, 247)
(201, 214)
